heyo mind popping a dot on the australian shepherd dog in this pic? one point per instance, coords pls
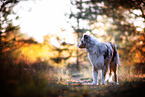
(103, 56)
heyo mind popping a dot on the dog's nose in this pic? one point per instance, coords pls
(81, 45)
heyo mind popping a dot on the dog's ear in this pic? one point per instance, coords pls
(85, 36)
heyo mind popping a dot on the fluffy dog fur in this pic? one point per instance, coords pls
(103, 56)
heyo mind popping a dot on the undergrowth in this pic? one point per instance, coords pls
(23, 78)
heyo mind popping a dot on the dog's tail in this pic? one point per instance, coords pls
(115, 57)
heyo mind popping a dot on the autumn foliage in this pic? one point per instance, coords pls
(29, 68)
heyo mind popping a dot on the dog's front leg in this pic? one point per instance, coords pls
(104, 70)
(95, 76)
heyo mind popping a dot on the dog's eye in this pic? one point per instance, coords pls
(85, 37)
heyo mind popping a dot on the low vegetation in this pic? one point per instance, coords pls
(21, 77)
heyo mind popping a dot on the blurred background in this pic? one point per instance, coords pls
(39, 38)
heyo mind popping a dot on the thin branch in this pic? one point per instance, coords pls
(142, 10)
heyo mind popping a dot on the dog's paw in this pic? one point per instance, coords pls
(116, 83)
(94, 83)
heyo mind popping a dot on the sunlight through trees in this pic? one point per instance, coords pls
(49, 59)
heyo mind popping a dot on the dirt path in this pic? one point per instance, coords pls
(128, 89)
(82, 88)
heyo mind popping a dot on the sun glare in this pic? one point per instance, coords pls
(41, 17)
(45, 17)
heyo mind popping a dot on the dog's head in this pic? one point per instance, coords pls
(85, 39)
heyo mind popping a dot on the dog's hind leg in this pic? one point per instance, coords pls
(95, 76)
(115, 73)
(110, 74)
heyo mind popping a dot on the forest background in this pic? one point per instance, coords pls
(29, 63)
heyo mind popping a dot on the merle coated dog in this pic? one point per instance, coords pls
(103, 56)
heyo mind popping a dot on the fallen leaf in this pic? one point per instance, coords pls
(97, 91)
(79, 84)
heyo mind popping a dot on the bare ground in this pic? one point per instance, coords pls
(81, 87)
(127, 89)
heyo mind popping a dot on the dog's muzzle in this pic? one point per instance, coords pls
(82, 45)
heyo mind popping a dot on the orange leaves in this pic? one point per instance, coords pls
(72, 84)
(78, 84)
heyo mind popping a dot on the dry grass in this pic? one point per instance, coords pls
(126, 73)
(21, 77)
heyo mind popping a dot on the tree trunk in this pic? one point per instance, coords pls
(77, 53)
(0, 43)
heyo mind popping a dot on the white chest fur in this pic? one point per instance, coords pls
(96, 61)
